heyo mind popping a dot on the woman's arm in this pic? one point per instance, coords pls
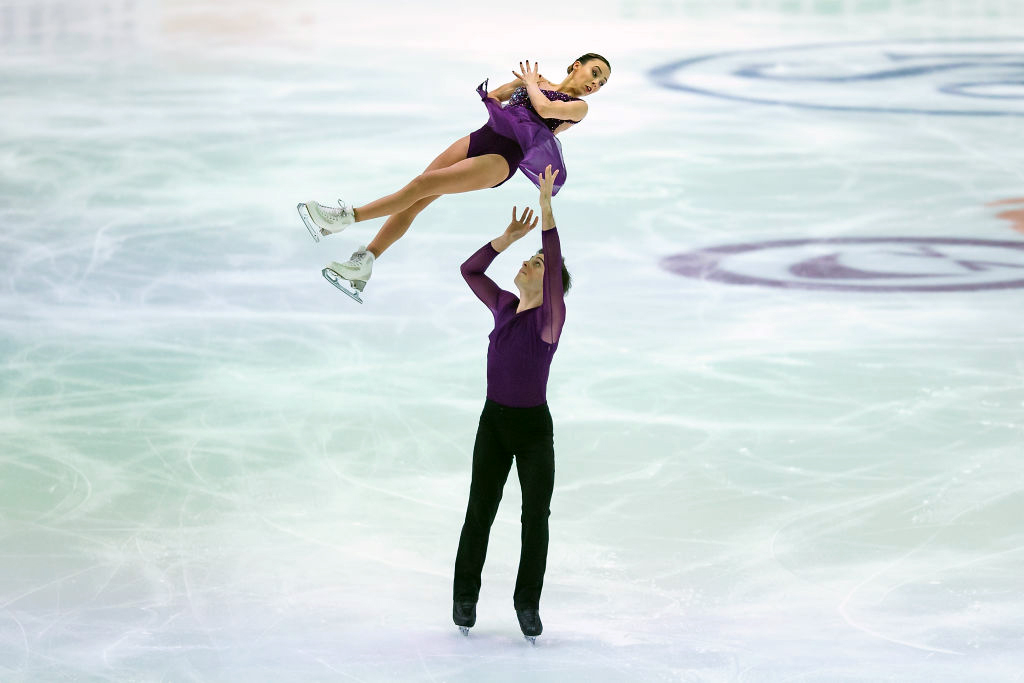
(553, 306)
(548, 109)
(503, 92)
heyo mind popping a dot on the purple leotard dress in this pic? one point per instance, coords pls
(521, 344)
(521, 136)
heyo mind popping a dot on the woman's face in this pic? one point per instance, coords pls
(592, 76)
(530, 278)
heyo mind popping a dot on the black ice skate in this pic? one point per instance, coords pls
(464, 615)
(529, 622)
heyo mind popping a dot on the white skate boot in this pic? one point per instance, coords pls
(325, 220)
(350, 277)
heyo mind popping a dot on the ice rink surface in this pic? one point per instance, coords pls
(788, 401)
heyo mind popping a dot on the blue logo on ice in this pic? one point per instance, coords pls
(861, 264)
(967, 76)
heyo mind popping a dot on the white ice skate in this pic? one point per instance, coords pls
(350, 277)
(325, 220)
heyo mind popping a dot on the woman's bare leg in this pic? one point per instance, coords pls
(397, 223)
(463, 175)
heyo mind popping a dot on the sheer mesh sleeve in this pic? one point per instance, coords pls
(553, 308)
(473, 272)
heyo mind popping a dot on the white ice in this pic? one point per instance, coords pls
(214, 467)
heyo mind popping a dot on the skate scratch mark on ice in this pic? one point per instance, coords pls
(350, 551)
(48, 584)
(359, 483)
(849, 620)
(188, 459)
(643, 474)
(61, 517)
(113, 570)
(423, 661)
(320, 660)
(184, 567)
(848, 508)
(107, 649)
(24, 635)
(974, 560)
(959, 565)
(97, 247)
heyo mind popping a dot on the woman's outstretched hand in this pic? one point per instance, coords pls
(528, 75)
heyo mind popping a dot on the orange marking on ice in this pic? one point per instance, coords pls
(1015, 216)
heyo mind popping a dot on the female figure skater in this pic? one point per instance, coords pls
(515, 421)
(518, 135)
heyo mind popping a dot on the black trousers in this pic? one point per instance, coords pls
(504, 432)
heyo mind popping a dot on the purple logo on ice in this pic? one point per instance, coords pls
(941, 76)
(860, 264)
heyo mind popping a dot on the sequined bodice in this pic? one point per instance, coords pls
(521, 98)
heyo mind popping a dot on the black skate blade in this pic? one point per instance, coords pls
(464, 630)
(314, 231)
(332, 276)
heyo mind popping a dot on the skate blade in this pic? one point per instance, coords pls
(332, 276)
(314, 230)
(531, 639)
(464, 630)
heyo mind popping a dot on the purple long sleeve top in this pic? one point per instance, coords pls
(521, 344)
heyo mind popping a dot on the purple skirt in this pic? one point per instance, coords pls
(540, 146)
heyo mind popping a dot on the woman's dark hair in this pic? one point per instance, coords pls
(589, 57)
(566, 277)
